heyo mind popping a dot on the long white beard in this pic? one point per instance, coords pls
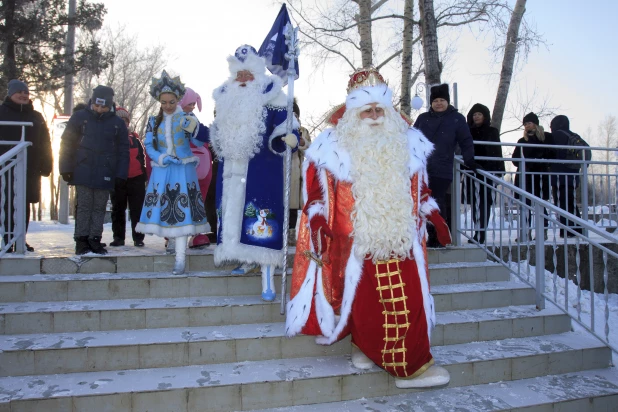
(238, 129)
(383, 223)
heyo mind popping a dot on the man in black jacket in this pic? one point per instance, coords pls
(445, 127)
(94, 152)
(17, 107)
(564, 179)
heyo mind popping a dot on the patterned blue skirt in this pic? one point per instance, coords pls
(174, 204)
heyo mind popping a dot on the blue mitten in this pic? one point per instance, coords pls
(171, 160)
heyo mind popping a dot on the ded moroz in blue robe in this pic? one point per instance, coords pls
(249, 192)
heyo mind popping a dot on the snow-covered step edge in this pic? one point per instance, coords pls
(300, 380)
(591, 390)
(144, 285)
(141, 349)
(197, 260)
(75, 316)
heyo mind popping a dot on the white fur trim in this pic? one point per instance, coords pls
(191, 159)
(323, 310)
(353, 272)
(420, 148)
(428, 304)
(153, 229)
(253, 63)
(298, 309)
(316, 209)
(238, 252)
(428, 207)
(281, 130)
(161, 157)
(380, 94)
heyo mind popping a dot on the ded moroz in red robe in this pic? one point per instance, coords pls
(386, 305)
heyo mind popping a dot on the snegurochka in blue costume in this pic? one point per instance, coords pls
(174, 206)
(249, 137)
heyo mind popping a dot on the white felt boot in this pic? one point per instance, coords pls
(181, 250)
(360, 360)
(268, 283)
(434, 376)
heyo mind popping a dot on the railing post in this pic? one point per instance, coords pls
(540, 257)
(584, 189)
(455, 209)
(19, 202)
(523, 214)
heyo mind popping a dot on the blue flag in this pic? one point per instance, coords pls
(273, 48)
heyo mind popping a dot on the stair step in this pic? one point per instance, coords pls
(92, 315)
(144, 285)
(242, 386)
(592, 390)
(144, 261)
(169, 347)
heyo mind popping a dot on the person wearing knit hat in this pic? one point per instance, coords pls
(536, 171)
(131, 191)
(360, 225)
(531, 118)
(94, 156)
(479, 122)
(188, 103)
(17, 107)
(446, 128)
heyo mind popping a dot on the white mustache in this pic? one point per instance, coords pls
(371, 122)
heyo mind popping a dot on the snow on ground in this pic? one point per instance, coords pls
(556, 292)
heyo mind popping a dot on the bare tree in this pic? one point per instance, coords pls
(607, 136)
(506, 74)
(429, 32)
(129, 74)
(525, 102)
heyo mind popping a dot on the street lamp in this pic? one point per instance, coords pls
(417, 101)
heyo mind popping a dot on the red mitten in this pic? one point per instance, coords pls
(442, 230)
(319, 232)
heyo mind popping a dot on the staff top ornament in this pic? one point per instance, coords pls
(167, 84)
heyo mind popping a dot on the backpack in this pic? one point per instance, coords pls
(576, 153)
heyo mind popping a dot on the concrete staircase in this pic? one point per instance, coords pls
(121, 334)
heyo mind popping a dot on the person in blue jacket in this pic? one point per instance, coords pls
(94, 153)
(445, 127)
(173, 206)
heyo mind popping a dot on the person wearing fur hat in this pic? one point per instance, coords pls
(479, 120)
(360, 266)
(446, 128)
(564, 179)
(188, 103)
(174, 206)
(249, 138)
(535, 171)
(131, 191)
(17, 107)
(94, 154)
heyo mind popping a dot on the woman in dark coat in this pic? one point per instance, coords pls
(17, 107)
(537, 173)
(479, 119)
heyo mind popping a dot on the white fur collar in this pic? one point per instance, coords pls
(325, 152)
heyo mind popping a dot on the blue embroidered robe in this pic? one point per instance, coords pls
(173, 205)
(249, 197)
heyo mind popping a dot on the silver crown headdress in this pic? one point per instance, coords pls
(166, 84)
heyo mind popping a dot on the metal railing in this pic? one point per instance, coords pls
(13, 205)
(568, 253)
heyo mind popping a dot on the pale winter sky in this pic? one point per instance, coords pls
(576, 70)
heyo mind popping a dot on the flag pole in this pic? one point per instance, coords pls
(291, 55)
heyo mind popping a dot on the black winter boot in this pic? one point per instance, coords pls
(95, 245)
(81, 245)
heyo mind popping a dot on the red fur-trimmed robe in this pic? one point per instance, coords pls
(385, 306)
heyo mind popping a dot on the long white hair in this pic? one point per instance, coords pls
(238, 129)
(383, 222)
